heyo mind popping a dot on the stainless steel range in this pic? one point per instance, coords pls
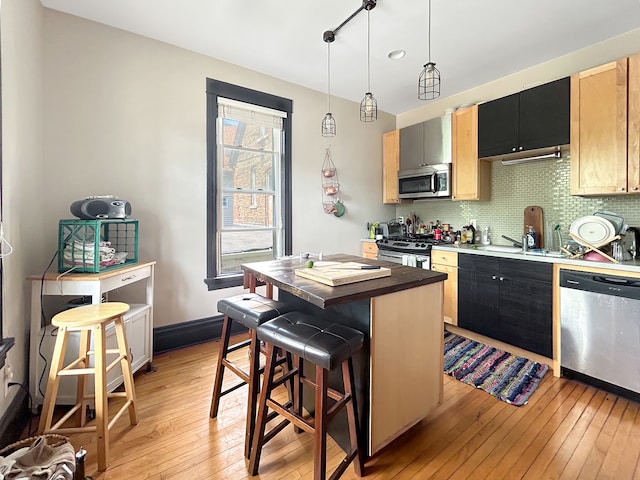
(414, 251)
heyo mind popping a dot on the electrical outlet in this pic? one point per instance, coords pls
(7, 377)
(400, 219)
(473, 222)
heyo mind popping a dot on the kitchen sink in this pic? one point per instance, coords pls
(500, 248)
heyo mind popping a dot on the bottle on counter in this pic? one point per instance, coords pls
(486, 239)
(532, 238)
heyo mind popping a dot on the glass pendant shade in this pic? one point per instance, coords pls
(368, 108)
(429, 82)
(328, 126)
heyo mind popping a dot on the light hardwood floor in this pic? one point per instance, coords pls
(567, 430)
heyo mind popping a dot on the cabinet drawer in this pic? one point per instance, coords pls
(444, 258)
(369, 247)
(125, 278)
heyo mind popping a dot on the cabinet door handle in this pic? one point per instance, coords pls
(513, 149)
(634, 188)
(502, 279)
(128, 278)
(620, 189)
(519, 148)
(493, 277)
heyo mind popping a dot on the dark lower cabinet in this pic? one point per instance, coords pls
(506, 299)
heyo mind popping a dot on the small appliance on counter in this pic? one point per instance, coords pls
(99, 207)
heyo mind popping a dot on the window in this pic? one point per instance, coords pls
(248, 180)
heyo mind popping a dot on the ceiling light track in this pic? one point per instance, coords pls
(330, 35)
(368, 107)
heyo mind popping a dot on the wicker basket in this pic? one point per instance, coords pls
(53, 440)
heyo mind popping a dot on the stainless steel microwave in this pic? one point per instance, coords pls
(431, 181)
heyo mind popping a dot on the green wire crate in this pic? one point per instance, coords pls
(113, 242)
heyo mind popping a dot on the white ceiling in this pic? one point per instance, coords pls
(472, 41)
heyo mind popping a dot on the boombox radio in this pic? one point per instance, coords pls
(98, 207)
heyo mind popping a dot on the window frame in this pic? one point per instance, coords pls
(215, 89)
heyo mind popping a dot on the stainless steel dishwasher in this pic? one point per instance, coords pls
(600, 321)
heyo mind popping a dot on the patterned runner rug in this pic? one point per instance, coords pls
(507, 377)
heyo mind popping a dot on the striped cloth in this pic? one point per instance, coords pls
(507, 377)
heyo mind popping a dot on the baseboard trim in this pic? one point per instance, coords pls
(185, 334)
(15, 419)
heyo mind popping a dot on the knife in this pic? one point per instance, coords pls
(363, 267)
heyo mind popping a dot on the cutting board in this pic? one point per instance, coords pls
(341, 273)
(533, 216)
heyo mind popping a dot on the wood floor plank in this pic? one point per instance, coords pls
(614, 455)
(567, 430)
(533, 462)
(581, 453)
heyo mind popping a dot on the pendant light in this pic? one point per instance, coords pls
(328, 122)
(368, 105)
(429, 81)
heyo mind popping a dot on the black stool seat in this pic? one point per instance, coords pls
(322, 342)
(251, 309)
(328, 345)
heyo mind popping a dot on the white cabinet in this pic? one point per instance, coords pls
(138, 324)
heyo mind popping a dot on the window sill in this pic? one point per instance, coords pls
(224, 282)
(5, 346)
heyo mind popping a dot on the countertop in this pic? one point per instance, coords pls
(281, 273)
(627, 266)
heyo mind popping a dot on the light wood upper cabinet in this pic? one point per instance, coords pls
(633, 126)
(390, 166)
(603, 120)
(471, 176)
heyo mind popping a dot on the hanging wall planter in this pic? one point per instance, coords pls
(331, 202)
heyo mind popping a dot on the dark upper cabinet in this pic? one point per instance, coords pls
(528, 120)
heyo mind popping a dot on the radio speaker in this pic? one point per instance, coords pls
(94, 208)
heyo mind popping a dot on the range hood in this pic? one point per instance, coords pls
(537, 155)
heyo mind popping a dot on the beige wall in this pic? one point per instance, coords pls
(23, 198)
(125, 115)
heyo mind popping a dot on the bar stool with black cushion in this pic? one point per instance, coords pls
(328, 345)
(250, 310)
(90, 321)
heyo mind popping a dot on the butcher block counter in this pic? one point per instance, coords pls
(399, 373)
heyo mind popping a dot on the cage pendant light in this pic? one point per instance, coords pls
(368, 105)
(429, 81)
(328, 122)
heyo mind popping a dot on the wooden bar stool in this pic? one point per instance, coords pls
(90, 320)
(327, 345)
(250, 310)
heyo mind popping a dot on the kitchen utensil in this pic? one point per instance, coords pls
(616, 220)
(592, 230)
(533, 216)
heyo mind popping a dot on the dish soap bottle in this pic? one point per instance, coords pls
(486, 239)
(531, 237)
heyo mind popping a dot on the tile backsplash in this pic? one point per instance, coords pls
(513, 188)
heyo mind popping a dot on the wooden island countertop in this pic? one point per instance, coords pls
(281, 273)
(399, 371)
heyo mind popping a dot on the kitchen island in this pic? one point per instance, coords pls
(399, 372)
